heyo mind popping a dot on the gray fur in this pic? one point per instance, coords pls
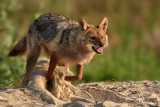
(46, 26)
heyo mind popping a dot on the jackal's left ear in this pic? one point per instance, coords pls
(104, 23)
(83, 24)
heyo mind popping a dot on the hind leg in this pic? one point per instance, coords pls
(33, 54)
(31, 61)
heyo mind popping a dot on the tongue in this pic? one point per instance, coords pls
(100, 50)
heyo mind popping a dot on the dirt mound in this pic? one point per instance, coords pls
(59, 92)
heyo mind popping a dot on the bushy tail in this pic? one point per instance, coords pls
(20, 48)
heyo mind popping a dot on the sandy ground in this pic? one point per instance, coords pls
(61, 93)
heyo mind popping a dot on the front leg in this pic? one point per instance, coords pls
(52, 66)
(79, 73)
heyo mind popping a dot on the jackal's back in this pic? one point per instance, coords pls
(48, 26)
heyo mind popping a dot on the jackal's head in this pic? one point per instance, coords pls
(96, 38)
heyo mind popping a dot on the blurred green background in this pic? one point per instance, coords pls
(134, 36)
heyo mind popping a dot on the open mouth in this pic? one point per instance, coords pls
(97, 50)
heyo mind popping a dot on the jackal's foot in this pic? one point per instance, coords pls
(73, 78)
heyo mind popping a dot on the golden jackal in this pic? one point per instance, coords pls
(65, 42)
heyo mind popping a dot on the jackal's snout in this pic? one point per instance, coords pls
(101, 44)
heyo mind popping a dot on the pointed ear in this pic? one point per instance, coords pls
(83, 24)
(104, 23)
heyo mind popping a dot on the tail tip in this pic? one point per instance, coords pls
(12, 53)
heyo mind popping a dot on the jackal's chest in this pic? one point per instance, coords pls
(76, 58)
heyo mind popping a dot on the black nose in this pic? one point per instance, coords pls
(101, 44)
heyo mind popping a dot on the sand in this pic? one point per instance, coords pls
(61, 93)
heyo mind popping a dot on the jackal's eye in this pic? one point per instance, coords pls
(93, 38)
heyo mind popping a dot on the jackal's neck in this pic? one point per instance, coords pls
(79, 41)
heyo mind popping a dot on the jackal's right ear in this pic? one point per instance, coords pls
(83, 24)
